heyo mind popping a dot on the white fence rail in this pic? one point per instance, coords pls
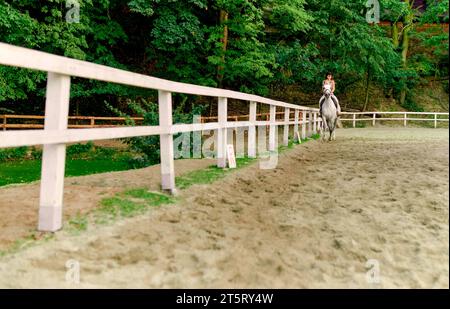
(382, 116)
(56, 135)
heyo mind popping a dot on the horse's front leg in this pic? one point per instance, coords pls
(324, 123)
(323, 127)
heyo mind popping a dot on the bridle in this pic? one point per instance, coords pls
(327, 90)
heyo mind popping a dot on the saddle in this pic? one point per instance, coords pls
(332, 98)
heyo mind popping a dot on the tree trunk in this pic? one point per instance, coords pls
(395, 43)
(405, 45)
(224, 41)
(77, 108)
(395, 40)
(366, 100)
(223, 18)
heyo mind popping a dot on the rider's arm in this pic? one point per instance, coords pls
(333, 87)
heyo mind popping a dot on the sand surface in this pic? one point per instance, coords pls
(313, 222)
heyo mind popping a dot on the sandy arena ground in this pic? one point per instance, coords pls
(313, 222)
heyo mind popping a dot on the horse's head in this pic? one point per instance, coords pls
(326, 91)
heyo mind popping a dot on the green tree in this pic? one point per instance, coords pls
(43, 26)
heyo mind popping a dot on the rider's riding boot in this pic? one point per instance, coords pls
(338, 113)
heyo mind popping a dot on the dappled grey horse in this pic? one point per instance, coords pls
(329, 115)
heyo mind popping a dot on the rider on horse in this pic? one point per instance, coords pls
(330, 84)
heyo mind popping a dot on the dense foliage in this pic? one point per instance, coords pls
(254, 46)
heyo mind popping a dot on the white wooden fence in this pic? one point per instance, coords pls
(397, 116)
(56, 134)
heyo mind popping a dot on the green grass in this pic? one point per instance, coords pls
(290, 145)
(32, 239)
(361, 124)
(208, 175)
(30, 170)
(78, 223)
(123, 205)
(205, 176)
(315, 136)
(303, 140)
(23, 164)
(130, 203)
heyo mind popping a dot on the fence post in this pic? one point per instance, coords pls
(222, 133)
(287, 114)
(92, 122)
(310, 123)
(54, 155)
(314, 123)
(354, 120)
(435, 121)
(296, 117)
(166, 141)
(272, 128)
(303, 124)
(4, 122)
(374, 117)
(404, 120)
(317, 120)
(252, 131)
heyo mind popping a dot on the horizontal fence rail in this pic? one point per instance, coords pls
(261, 116)
(434, 117)
(81, 122)
(57, 131)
